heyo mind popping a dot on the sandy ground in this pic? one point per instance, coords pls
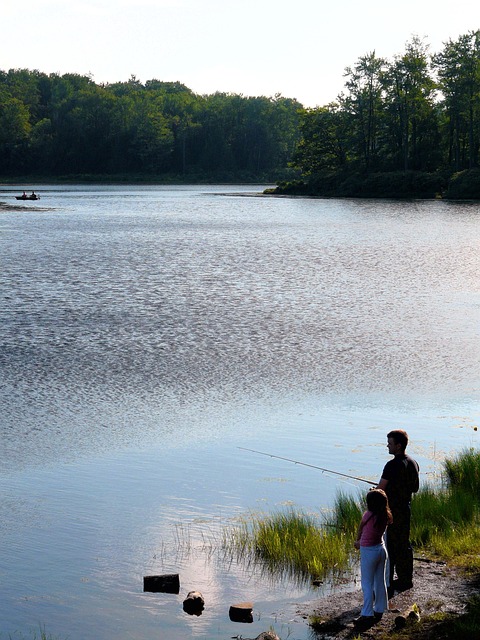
(437, 588)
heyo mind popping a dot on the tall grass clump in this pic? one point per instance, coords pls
(439, 512)
(463, 473)
(291, 543)
(346, 513)
(445, 519)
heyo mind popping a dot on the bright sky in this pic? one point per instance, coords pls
(253, 47)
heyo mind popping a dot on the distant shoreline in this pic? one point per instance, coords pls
(126, 180)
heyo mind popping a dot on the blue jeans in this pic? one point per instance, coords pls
(372, 567)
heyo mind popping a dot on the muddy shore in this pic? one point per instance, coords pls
(437, 588)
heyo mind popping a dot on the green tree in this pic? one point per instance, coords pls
(91, 120)
(143, 140)
(14, 132)
(364, 104)
(458, 69)
(64, 132)
(410, 93)
(285, 129)
(324, 140)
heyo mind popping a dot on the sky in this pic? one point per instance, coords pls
(298, 49)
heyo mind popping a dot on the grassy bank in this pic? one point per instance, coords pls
(445, 525)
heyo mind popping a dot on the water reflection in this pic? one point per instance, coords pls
(147, 333)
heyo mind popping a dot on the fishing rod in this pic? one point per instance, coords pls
(305, 464)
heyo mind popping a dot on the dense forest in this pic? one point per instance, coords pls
(68, 126)
(408, 126)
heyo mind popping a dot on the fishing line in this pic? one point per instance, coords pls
(305, 464)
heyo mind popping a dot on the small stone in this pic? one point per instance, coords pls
(267, 635)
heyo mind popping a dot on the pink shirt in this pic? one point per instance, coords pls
(373, 529)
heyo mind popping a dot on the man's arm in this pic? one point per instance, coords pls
(415, 480)
(382, 484)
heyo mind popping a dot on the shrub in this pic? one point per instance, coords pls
(464, 185)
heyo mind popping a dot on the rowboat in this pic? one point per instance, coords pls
(33, 196)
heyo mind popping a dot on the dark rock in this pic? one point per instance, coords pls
(267, 635)
(241, 612)
(409, 616)
(194, 603)
(169, 583)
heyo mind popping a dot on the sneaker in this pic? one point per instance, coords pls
(364, 622)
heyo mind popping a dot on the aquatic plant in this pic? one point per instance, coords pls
(347, 511)
(463, 472)
(295, 544)
(43, 635)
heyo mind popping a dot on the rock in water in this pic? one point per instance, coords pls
(169, 583)
(241, 612)
(194, 603)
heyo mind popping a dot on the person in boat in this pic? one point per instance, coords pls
(24, 195)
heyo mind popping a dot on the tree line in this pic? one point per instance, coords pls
(61, 125)
(410, 125)
(407, 126)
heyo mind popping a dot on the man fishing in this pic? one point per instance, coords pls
(399, 480)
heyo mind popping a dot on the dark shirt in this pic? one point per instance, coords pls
(402, 475)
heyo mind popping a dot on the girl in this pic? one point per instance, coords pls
(373, 556)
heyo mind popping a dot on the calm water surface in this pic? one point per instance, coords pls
(148, 332)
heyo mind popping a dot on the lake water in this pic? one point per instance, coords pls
(148, 332)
